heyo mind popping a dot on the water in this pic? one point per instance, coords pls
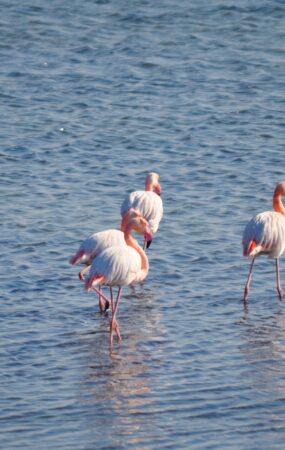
(95, 94)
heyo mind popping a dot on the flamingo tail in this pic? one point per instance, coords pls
(252, 249)
(94, 281)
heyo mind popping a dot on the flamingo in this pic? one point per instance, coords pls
(265, 234)
(95, 244)
(147, 202)
(120, 266)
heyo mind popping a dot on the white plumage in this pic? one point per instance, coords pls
(95, 244)
(267, 229)
(148, 204)
(119, 265)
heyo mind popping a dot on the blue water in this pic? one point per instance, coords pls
(94, 95)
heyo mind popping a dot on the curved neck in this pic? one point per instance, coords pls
(132, 242)
(277, 203)
(149, 185)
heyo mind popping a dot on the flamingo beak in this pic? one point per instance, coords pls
(148, 243)
(158, 189)
(148, 237)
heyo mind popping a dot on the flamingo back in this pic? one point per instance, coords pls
(148, 204)
(267, 230)
(96, 243)
(119, 265)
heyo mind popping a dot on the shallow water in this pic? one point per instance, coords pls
(94, 96)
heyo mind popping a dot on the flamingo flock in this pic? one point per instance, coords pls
(113, 257)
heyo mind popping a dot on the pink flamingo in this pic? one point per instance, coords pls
(147, 202)
(120, 266)
(265, 234)
(94, 245)
(97, 243)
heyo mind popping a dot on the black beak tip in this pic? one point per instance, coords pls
(148, 243)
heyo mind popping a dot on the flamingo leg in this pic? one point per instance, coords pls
(246, 289)
(101, 301)
(279, 288)
(83, 271)
(114, 324)
(100, 293)
(144, 244)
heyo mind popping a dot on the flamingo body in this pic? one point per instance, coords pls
(120, 266)
(148, 204)
(95, 244)
(267, 231)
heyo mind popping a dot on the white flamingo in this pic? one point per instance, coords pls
(265, 234)
(147, 202)
(94, 245)
(97, 243)
(120, 266)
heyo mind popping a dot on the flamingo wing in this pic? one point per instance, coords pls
(265, 233)
(119, 265)
(148, 203)
(96, 243)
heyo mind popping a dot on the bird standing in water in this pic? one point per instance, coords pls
(265, 234)
(147, 202)
(96, 244)
(121, 266)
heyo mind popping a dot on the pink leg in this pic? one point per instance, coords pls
(279, 288)
(246, 289)
(82, 272)
(100, 294)
(101, 301)
(114, 324)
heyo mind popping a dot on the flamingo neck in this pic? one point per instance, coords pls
(132, 242)
(124, 223)
(277, 203)
(149, 185)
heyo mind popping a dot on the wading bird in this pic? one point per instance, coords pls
(147, 202)
(265, 235)
(120, 266)
(97, 243)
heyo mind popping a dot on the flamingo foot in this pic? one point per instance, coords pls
(107, 306)
(83, 271)
(114, 327)
(81, 276)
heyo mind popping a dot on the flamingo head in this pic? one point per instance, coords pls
(152, 183)
(280, 189)
(141, 225)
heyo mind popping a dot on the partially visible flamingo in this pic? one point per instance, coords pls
(94, 245)
(265, 234)
(147, 202)
(120, 266)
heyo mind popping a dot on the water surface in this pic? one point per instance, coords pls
(95, 94)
